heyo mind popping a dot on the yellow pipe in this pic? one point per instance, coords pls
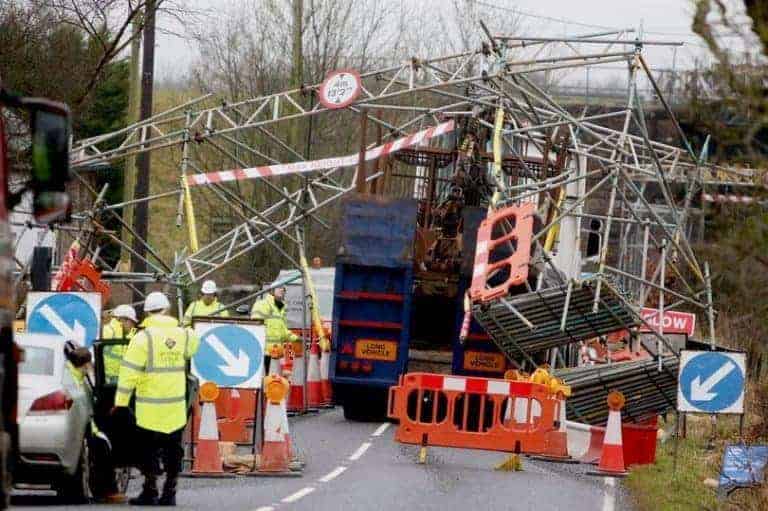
(317, 322)
(555, 229)
(190, 211)
(497, 174)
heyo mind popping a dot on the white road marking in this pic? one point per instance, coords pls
(609, 496)
(360, 451)
(381, 429)
(336, 472)
(265, 508)
(298, 495)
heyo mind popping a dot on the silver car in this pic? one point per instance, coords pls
(55, 410)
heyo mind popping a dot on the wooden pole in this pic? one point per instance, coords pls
(141, 211)
(361, 173)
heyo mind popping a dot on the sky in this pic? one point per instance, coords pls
(667, 20)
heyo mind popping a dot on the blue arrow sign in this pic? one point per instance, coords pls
(230, 356)
(65, 314)
(711, 382)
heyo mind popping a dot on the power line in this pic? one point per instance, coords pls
(542, 17)
(565, 21)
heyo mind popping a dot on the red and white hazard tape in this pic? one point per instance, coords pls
(733, 199)
(476, 385)
(326, 163)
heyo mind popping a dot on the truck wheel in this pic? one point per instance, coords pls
(369, 408)
(76, 489)
(355, 412)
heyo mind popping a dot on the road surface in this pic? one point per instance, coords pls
(359, 466)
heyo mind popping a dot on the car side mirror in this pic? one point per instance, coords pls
(50, 123)
(50, 133)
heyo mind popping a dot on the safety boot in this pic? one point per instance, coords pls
(168, 498)
(148, 495)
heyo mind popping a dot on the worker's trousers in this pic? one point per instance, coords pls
(158, 446)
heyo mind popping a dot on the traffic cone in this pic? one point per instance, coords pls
(207, 458)
(612, 458)
(275, 360)
(326, 389)
(232, 427)
(298, 379)
(275, 454)
(314, 388)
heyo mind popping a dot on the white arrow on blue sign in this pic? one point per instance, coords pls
(74, 316)
(230, 354)
(711, 382)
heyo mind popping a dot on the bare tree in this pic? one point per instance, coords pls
(107, 24)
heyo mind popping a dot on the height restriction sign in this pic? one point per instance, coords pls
(340, 89)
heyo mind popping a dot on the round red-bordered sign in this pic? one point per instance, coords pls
(340, 88)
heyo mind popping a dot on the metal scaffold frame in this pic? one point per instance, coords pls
(420, 93)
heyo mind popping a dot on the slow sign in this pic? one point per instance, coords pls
(674, 322)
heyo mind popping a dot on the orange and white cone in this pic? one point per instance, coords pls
(232, 426)
(275, 454)
(275, 360)
(612, 458)
(326, 389)
(207, 457)
(314, 387)
(298, 379)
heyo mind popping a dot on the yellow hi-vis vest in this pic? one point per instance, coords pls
(155, 367)
(274, 320)
(199, 308)
(113, 355)
(159, 320)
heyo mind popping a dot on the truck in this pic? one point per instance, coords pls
(403, 267)
(44, 150)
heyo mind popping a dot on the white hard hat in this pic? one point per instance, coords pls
(209, 287)
(156, 301)
(125, 312)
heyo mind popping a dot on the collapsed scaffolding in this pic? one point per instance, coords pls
(496, 127)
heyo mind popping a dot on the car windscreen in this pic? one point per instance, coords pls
(37, 361)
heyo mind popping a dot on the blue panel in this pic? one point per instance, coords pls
(378, 231)
(375, 319)
(743, 466)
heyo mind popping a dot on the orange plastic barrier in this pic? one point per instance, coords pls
(84, 276)
(519, 235)
(467, 412)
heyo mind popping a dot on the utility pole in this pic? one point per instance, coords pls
(129, 172)
(141, 210)
(297, 67)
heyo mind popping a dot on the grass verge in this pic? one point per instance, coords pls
(665, 486)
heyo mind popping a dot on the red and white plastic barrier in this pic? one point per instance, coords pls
(326, 163)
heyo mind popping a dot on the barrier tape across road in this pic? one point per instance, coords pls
(323, 164)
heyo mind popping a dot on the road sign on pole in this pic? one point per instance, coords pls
(340, 89)
(711, 382)
(674, 322)
(231, 353)
(74, 316)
